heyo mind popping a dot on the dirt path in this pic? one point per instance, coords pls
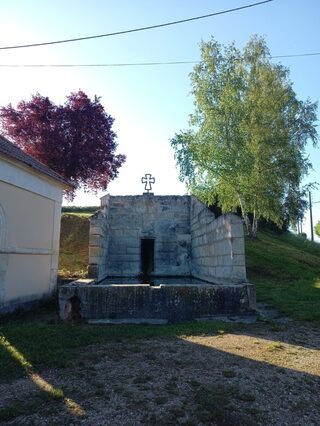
(263, 374)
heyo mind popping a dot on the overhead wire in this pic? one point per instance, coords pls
(295, 55)
(134, 30)
(96, 65)
(136, 64)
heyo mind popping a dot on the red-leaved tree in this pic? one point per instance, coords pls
(75, 139)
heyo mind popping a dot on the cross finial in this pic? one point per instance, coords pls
(147, 180)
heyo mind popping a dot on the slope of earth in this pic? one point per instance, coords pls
(286, 272)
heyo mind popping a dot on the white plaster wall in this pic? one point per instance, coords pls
(28, 276)
(30, 211)
(26, 177)
(3, 256)
(30, 218)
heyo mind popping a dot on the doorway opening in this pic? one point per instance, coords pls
(147, 256)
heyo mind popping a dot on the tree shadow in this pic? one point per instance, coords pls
(242, 375)
(256, 380)
(47, 392)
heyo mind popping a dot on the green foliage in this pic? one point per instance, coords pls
(248, 134)
(317, 229)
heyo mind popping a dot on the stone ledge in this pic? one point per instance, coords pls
(171, 303)
(149, 321)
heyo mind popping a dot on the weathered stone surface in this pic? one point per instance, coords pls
(188, 240)
(94, 251)
(95, 240)
(93, 270)
(165, 302)
(214, 245)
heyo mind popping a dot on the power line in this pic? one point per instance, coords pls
(97, 65)
(181, 21)
(134, 64)
(295, 55)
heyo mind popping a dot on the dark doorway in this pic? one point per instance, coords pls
(147, 256)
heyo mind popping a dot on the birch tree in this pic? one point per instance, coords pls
(247, 138)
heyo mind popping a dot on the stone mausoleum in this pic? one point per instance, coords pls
(147, 235)
(160, 259)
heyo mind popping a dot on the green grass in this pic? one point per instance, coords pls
(286, 272)
(25, 346)
(89, 210)
(78, 214)
(74, 244)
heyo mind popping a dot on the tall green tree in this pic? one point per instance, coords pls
(247, 138)
(317, 229)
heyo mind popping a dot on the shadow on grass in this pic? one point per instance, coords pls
(47, 342)
(188, 366)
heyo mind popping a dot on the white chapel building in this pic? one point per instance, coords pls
(30, 211)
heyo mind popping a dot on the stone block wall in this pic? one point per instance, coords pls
(188, 240)
(217, 245)
(166, 219)
(99, 240)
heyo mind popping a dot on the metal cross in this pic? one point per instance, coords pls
(148, 180)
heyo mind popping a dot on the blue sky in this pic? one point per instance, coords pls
(149, 103)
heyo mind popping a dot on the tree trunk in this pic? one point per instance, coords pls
(245, 217)
(254, 228)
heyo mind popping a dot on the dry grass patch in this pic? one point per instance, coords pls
(251, 376)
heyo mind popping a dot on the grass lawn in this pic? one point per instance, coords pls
(286, 272)
(62, 341)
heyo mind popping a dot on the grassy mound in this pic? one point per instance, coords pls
(286, 272)
(79, 211)
(74, 245)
